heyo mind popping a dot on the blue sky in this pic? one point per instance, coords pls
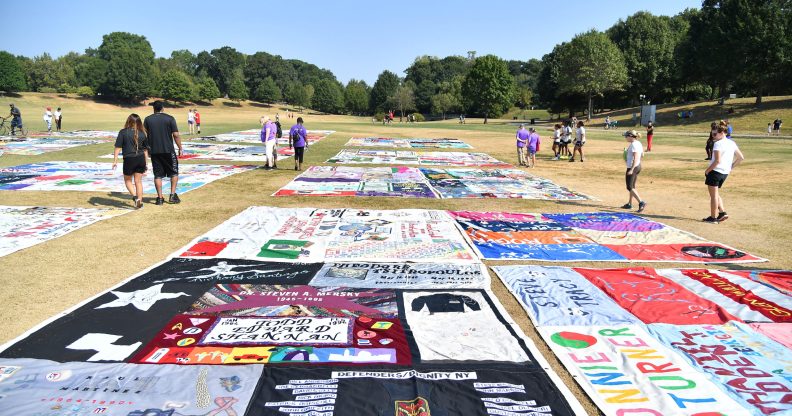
(354, 39)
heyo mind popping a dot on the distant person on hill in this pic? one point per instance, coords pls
(607, 122)
(556, 140)
(190, 122)
(269, 139)
(580, 140)
(522, 140)
(777, 126)
(533, 146)
(710, 141)
(16, 119)
(769, 128)
(133, 144)
(298, 139)
(162, 132)
(197, 121)
(725, 156)
(58, 118)
(729, 128)
(48, 119)
(649, 135)
(632, 156)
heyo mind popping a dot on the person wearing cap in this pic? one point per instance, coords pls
(633, 155)
(16, 119)
(298, 138)
(522, 139)
(532, 145)
(268, 131)
(162, 132)
(48, 119)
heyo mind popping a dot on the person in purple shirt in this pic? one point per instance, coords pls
(533, 147)
(268, 131)
(522, 139)
(298, 139)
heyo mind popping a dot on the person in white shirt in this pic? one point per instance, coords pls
(557, 140)
(191, 121)
(580, 140)
(566, 138)
(58, 118)
(725, 156)
(633, 155)
(48, 119)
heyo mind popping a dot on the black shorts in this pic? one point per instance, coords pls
(631, 179)
(164, 165)
(298, 154)
(716, 179)
(134, 164)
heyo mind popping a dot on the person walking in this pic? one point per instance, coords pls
(729, 128)
(16, 119)
(777, 126)
(197, 121)
(580, 140)
(162, 132)
(58, 118)
(725, 156)
(133, 144)
(269, 139)
(649, 136)
(48, 118)
(298, 140)
(710, 141)
(190, 122)
(556, 140)
(522, 139)
(532, 146)
(632, 156)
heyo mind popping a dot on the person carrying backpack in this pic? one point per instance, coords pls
(298, 139)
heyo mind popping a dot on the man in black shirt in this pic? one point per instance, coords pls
(162, 132)
(16, 121)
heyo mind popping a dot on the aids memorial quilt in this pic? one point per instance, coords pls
(100, 177)
(664, 341)
(88, 134)
(594, 236)
(37, 146)
(23, 227)
(254, 136)
(352, 181)
(315, 235)
(420, 143)
(215, 151)
(402, 157)
(179, 338)
(496, 183)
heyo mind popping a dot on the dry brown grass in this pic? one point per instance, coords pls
(43, 280)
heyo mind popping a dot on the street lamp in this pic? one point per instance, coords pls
(642, 97)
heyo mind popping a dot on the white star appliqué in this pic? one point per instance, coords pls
(141, 299)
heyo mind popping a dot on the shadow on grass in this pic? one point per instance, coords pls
(232, 104)
(114, 200)
(600, 208)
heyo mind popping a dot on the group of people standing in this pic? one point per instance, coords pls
(49, 117)
(152, 138)
(562, 137)
(271, 132)
(194, 121)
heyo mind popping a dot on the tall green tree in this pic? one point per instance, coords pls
(267, 91)
(295, 94)
(176, 86)
(591, 64)
(648, 44)
(224, 65)
(356, 97)
(328, 97)
(130, 66)
(383, 89)
(12, 76)
(404, 98)
(423, 95)
(444, 102)
(90, 71)
(237, 90)
(207, 90)
(47, 73)
(488, 87)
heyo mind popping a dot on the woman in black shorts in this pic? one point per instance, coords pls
(134, 145)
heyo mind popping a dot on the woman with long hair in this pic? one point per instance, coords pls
(133, 143)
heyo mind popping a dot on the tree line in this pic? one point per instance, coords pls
(726, 46)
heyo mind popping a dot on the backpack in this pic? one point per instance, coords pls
(278, 130)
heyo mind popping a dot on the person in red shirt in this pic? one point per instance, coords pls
(197, 121)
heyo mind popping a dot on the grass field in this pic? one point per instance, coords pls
(43, 280)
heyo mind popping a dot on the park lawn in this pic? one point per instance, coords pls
(43, 280)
